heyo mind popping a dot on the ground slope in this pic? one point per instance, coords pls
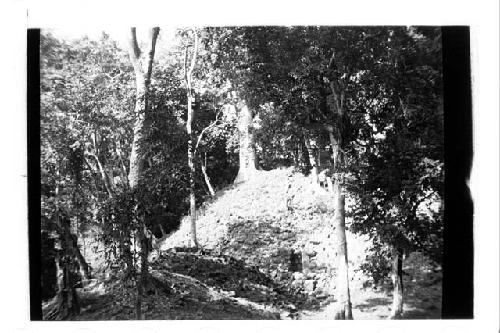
(280, 223)
(267, 254)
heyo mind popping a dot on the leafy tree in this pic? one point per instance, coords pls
(400, 163)
(143, 65)
(68, 187)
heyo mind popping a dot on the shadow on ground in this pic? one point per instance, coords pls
(186, 284)
(233, 277)
(371, 304)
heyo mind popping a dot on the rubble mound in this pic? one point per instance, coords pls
(279, 222)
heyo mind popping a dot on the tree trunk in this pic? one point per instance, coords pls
(246, 145)
(336, 152)
(67, 302)
(189, 123)
(143, 65)
(192, 197)
(67, 299)
(72, 245)
(143, 279)
(304, 161)
(336, 106)
(312, 160)
(397, 280)
(344, 307)
(136, 163)
(142, 80)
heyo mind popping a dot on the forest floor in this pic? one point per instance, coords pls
(191, 285)
(248, 233)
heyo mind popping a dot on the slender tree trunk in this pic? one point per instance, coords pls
(397, 280)
(246, 145)
(189, 123)
(192, 197)
(344, 307)
(335, 102)
(143, 65)
(312, 160)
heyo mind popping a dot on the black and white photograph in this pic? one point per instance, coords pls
(262, 172)
(309, 171)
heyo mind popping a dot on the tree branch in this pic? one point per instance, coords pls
(134, 50)
(109, 186)
(212, 125)
(153, 36)
(136, 55)
(195, 53)
(188, 73)
(185, 68)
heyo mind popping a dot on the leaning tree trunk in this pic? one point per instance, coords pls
(397, 280)
(143, 64)
(247, 157)
(206, 177)
(335, 102)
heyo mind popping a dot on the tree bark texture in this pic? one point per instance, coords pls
(143, 64)
(397, 280)
(247, 156)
